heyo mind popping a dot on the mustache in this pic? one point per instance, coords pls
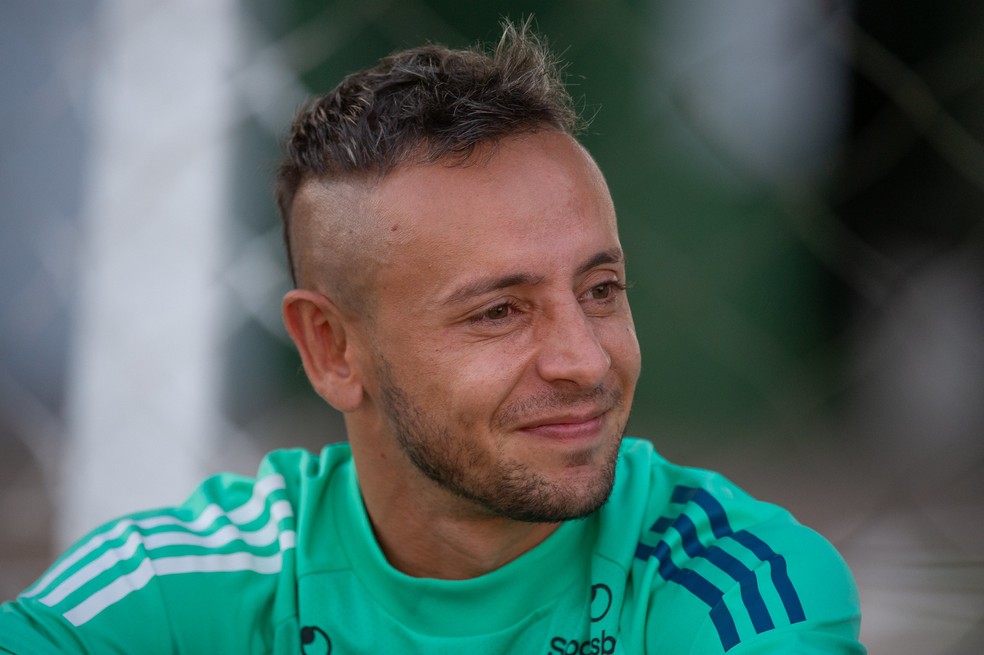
(603, 397)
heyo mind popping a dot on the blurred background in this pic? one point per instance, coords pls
(800, 186)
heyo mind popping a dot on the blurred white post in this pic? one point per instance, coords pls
(144, 386)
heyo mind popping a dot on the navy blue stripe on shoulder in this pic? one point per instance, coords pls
(740, 573)
(714, 510)
(780, 576)
(661, 525)
(751, 596)
(699, 586)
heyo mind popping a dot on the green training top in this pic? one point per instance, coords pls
(679, 561)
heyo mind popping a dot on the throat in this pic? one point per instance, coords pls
(454, 548)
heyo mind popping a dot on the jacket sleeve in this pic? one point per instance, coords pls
(198, 578)
(38, 624)
(806, 600)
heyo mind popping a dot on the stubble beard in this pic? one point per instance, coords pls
(498, 485)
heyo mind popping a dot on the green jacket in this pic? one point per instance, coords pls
(679, 561)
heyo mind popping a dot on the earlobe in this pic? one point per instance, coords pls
(319, 330)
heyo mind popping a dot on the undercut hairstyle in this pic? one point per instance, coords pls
(423, 105)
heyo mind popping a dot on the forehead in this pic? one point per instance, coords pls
(538, 195)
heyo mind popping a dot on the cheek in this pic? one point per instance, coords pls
(479, 379)
(484, 385)
(477, 361)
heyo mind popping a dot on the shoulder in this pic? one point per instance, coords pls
(731, 567)
(171, 571)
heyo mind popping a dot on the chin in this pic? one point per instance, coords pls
(565, 508)
(566, 495)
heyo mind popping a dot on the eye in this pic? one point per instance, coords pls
(605, 291)
(498, 312)
(602, 291)
(500, 315)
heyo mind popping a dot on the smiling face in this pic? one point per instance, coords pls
(502, 356)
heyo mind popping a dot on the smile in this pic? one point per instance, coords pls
(568, 428)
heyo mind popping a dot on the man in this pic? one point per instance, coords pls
(460, 296)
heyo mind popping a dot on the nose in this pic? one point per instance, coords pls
(570, 349)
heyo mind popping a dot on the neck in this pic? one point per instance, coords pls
(461, 540)
(453, 549)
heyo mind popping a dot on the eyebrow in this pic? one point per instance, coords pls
(487, 285)
(611, 256)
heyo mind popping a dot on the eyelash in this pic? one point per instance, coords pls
(616, 287)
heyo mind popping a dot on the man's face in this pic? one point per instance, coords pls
(504, 357)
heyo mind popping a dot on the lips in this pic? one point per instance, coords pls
(560, 416)
(567, 427)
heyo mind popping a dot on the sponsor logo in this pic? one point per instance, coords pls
(601, 601)
(601, 604)
(603, 645)
(314, 641)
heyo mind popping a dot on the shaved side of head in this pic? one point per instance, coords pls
(336, 241)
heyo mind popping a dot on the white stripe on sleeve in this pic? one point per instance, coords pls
(243, 514)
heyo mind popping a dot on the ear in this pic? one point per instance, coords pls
(319, 331)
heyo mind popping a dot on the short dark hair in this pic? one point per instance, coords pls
(424, 104)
